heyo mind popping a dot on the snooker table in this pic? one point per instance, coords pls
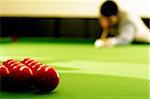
(85, 72)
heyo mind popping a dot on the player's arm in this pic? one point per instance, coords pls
(126, 36)
(104, 23)
(100, 42)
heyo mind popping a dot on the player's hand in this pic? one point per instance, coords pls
(110, 42)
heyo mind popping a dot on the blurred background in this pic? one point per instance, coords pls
(60, 18)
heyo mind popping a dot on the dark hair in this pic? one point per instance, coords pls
(109, 8)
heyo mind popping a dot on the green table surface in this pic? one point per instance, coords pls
(85, 72)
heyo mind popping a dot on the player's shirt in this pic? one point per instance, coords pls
(130, 28)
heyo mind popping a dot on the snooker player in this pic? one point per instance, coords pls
(119, 27)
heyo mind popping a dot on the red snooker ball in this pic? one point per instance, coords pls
(32, 63)
(46, 78)
(4, 72)
(36, 66)
(24, 60)
(29, 62)
(21, 77)
(9, 62)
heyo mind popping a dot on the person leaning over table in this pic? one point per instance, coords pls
(123, 27)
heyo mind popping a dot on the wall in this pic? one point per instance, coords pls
(67, 8)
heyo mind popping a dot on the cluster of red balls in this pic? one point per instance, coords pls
(28, 73)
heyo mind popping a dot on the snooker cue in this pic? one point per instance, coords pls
(104, 35)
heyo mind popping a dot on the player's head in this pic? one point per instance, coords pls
(109, 11)
(109, 8)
